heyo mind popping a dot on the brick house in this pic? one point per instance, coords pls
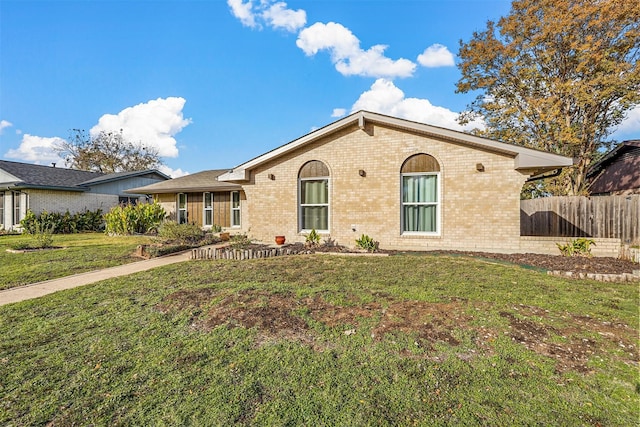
(618, 172)
(199, 199)
(41, 188)
(408, 185)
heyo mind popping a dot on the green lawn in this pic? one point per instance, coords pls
(323, 341)
(81, 253)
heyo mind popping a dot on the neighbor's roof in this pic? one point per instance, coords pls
(26, 175)
(38, 176)
(200, 181)
(123, 175)
(526, 159)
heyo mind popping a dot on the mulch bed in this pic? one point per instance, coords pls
(576, 264)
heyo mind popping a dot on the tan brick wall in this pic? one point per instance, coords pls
(479, 210)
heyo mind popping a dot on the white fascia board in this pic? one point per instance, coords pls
(237, 174)
(532, 159)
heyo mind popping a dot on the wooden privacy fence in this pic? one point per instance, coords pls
(579, 216)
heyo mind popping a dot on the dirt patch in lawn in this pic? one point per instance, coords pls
(283, 316)
(577, 264)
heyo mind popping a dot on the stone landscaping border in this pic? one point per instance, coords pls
(624, 277)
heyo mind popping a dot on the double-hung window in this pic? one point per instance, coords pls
(420, 177)
(235, 209)
(208, 209)
(1, 210)
(314, 196)
(17, 207)
(182, 208)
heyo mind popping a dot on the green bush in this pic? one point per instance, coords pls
(313, 238)
(183, 234)
(367, 243)
(63, 223)
(577, 247)
(134, 219)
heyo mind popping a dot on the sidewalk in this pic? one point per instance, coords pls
(39, 289)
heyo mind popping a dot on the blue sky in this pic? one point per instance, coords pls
(212, 84)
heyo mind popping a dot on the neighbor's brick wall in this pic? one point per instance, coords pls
(480, 210)
(61, 201)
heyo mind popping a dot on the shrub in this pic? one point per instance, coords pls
(183, 234)
(577, 247)
(313, 238)
(43, 236)
(367, 243)
(131, 219)
(64, 223)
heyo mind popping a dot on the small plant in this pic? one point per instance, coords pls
(43, 236)
(313, 239)
(367, 243)
(20, 245)
(215, 228)
(239, 241)
(577, 247)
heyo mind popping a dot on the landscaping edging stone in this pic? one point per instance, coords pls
(624, 277)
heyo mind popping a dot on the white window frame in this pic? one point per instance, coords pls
(301, 205)
(179, 209)
(1, 210)
(437, 204)
(16, 207)
(235, 209)
(206, 209)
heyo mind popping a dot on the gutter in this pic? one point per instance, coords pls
(538, 177)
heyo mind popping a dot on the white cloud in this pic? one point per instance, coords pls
(153, 124)
(4, 124)
(36, 149)
(339, 112)
(278, 16)
(436, 55)
(173, 173)
(275, 14)
(630, 126)
(243, 11)
(347, 55)
(385, 98)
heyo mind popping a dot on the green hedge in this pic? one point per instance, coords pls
(63, 223)
(134, 219)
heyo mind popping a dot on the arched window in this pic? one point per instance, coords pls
(314, 196)
(420, 175)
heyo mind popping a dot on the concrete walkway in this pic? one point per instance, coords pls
(39, 289)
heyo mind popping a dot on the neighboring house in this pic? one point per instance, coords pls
(40, 188)
(618, 172)
(407, 185)
(200, 199)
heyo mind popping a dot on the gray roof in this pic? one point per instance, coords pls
(30, 175)
(48, 177)
(200, 181)
(123, 175)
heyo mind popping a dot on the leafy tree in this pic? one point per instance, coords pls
(106, 152)
(557, 75)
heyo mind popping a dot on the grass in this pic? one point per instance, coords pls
(81, 253)
(325, 340)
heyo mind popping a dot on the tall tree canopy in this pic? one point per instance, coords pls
(557, 75)
(107, 152)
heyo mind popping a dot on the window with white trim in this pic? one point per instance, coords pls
(182, 208)
(235, 209)
(313, 195)
(420, 177)
(17, 208)
(1, 209)
(208, 209)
